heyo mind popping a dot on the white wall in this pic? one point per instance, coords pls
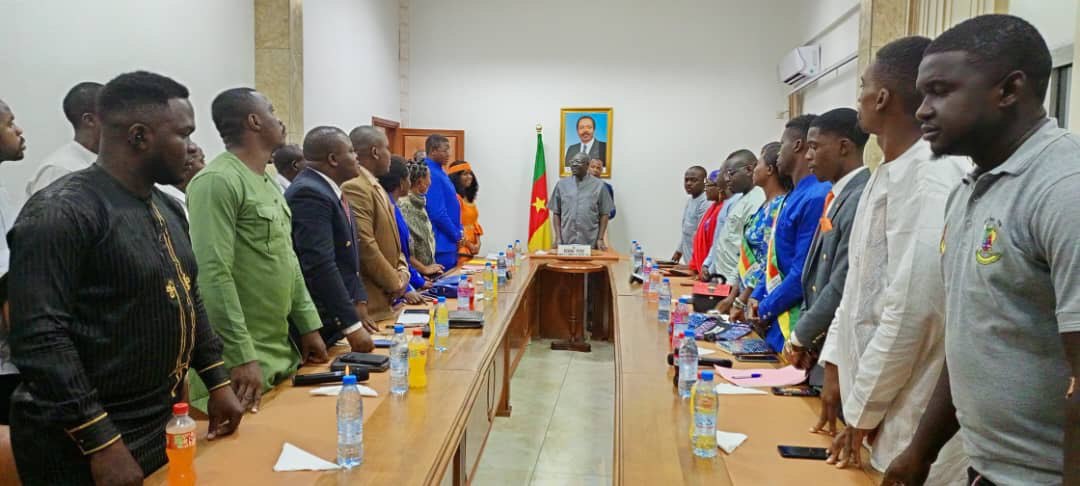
(350, 62)
(689, 82)
(1055, 19)
(207, 45)
(837, 40)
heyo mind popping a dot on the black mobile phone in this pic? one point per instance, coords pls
(757, 358)
(415, 311)
(795, 391)
(799, 452)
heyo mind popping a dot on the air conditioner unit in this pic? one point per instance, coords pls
(799, 65)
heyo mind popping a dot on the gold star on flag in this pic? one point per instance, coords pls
(539, 205)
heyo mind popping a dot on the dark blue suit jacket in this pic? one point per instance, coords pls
(324, 239)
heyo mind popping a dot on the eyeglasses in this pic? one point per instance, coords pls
(732, 172)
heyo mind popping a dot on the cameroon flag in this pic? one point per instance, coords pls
(539, 229)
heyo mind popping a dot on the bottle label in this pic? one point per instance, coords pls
(182, 440)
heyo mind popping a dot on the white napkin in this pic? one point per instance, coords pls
(729, 389)
(333, 390)
(728, 441)
(293, 458)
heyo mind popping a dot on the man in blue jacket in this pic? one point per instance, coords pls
(779, 296)
(324, 238)
(442, 203)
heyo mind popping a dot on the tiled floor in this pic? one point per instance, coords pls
(562, 425)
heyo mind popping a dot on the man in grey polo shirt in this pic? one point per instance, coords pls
(1011, 261)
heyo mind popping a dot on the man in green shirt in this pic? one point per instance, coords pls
(241, 232)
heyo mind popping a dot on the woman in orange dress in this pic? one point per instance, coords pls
(464, 180)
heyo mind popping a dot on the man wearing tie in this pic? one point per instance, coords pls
(324, 238)
(589, 145)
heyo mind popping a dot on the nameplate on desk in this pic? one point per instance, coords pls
(575, 250)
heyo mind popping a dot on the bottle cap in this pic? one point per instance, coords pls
(633, 241)
(510, 246)
(464, 277)
(501, 253)
(517, 241)
(648, 259)
(417, 332)
(442, 299)
(349, 379)
(487, 264)
(667, 280)
(684, 300)
(398, 329)
(707, 375)
(180, 408)
(689, 333)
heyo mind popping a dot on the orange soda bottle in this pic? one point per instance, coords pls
(180, 447)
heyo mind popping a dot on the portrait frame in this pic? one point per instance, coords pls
(603, 120)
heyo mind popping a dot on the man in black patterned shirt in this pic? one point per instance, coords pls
(107, 318)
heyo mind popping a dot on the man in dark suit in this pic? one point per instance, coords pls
(835, 151)
(596, 149)
(324, 237)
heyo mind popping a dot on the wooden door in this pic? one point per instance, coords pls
(407, 141)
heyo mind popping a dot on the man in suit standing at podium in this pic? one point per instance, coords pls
(589, 145)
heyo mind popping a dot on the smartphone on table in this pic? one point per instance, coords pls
(799, 452)
(795, 391)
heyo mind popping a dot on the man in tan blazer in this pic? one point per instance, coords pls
(382, 265)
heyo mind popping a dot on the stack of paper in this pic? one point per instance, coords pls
(413, 319)
(763, 377)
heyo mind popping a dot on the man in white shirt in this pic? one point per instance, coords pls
(81, 110)
(884, 349)
(12, 147)
(288, 161)
(746, 198)
(694, 184)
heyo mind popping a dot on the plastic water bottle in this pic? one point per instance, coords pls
(646, 273)
(442, 325)
(180, 446)
(350, 424)
(635, 257)
(688, 364)
(519, 254)
(654, 283)
(399, 362)
(418, 360)
(511, 258)
(679, 316)
(704, 405)
(501, 265)
(663, 307)
(463, 293)
(489, 284)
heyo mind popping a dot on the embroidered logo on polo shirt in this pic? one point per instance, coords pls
(986, 253)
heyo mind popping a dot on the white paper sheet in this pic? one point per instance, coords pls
(729, 389)
(413, 319)
(728, 441)
(293, 458)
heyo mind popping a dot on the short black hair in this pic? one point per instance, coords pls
(81, 98)
(842, 122)
(399, 170)
(364, 137)
(896, 65)
(698, 168)
(742, 155)
(321, 141)
(285, 156)
(230, 110)
(585, 117)
(469, 193)
(1000, 44)
(800, 124)
(433, 142)
(139, 90)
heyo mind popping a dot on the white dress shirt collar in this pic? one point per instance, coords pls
(333, 185)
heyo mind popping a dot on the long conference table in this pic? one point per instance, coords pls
(436, 435)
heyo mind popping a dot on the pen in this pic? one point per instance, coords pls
(752, 375)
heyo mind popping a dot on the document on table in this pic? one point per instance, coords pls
(763, 377)
(413, 319)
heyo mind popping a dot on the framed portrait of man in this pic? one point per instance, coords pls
(586, 130)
